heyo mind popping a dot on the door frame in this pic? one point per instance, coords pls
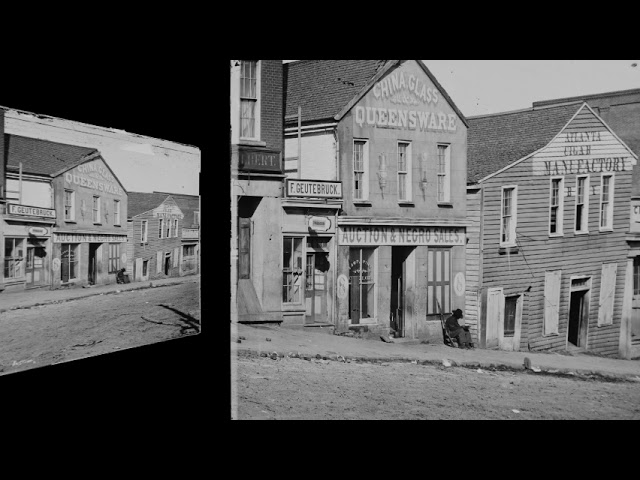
(511, 343)
(583, 325)
(92, 272)
(494, 322)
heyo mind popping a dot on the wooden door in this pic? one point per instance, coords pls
(495, 316)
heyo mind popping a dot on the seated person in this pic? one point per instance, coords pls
(461, 333)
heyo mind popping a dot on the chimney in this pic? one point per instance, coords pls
(3, 160)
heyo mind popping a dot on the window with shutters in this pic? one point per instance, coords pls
(551, 301)
(96, 209)
(144, 230)
(636, 275)
(556, 206)
(606, 203)
(438, 280)
(250, 99)
(114, 257)
(607, 293)
(404, 171)
(244, 248)
(443, 192)
(360, 170)
(582, 204)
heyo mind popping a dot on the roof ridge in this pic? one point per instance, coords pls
(523, 110)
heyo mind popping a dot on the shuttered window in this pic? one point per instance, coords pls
(582, 204)
(159, 261)
(607, 293)
(438, 280)
(606, 203)
(360, 170)
(551, 301)
(556, 206)
(636, 276)
(244, 248)
(508, 215)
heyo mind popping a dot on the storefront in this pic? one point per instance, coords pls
(26, 233)
(400, 276)
(309, 251)
(190, 251)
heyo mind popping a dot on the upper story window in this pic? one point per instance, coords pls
(249, 100)
(360, 170)
(404, 171)
(556, 206)
(96, 209)
(168, 233)
(116, 212)
(508, 214)
(175, 227)
(144, 230)
(606, 203)
(444, 174)
(636, 276)
(69, 205)
(582, 204)
(161, 228)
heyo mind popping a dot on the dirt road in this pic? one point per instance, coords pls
(50, 334)
(299, 389)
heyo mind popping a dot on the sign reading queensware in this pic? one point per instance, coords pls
(31, 211)
(313, 188)
(400, 235)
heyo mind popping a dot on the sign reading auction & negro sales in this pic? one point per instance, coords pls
(400, 235)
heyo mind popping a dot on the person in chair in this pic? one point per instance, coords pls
(461, 333)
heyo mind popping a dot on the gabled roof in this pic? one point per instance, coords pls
(187, 203)
(140, 202)
(42, 157)
(497, 140)
(327, 89)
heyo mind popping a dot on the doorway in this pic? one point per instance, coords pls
(398, 307)
(93, 263)
(34, 269)
(167, 263)
(578, 313)
(316, 280)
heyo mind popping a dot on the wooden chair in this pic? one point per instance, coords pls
(448, 339)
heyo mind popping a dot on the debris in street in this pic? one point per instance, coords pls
(263, 354)
(268, 339)
(480, 370)
(239, 341)
(536, 369)
(240, 337)
(446, 362)
(274, 356)
(386, 339)
(553, 371)
(318, 356)
(515, 411)
(340, 358)
(415, 362)
(20, 362)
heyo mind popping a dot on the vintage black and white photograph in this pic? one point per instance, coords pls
(410, 239)
(100, 228)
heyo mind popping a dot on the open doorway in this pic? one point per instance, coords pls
(93, 263)
(398, 305)
(578, 313)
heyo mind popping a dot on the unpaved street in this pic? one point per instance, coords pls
(294, 388)
(45, 335)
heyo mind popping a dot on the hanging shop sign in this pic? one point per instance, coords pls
(313, 188)
(319, 224)
(94, 175)
(38, 231)
(84, 237)
(253, 159)
(15, 209)
(386, 235)
(459, 284)
(190, 233)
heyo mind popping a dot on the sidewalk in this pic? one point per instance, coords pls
(285, 341)
(43, 296)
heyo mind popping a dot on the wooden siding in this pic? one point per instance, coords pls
(472, 296)
(573, 254)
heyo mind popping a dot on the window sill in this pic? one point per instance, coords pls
(253, 143)
(97, 223)
(406, 203)
(445, 204)
(70, 221)
(508, 249)
(556, 235)
(362, 203)
(365, 321)
(581, 233)
(606, 230)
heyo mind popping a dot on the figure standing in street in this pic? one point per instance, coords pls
(461, 333)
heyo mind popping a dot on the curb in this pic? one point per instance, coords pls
(92, 294)
(576, 374)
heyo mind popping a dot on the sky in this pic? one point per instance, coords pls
(480, 87)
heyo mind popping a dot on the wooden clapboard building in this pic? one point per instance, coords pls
(549, 203)
(391, 136)
(154, 229)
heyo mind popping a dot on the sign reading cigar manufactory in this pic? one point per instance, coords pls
(397, 235)
(313, 188)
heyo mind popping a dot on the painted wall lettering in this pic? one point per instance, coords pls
(586, 165)
(400, 88)
(401, 235)
(405, 119)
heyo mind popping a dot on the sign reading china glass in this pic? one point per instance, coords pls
(15, 209)
(94, 175)
(259, 160)
(313, 188)
(398, 235)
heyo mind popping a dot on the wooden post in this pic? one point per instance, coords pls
(299, 142)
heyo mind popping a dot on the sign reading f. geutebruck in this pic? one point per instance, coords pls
(313, 188)
(15, 209)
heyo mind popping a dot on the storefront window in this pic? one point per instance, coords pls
(13, 258)
(114, 257)
(69, 263)
(361, 283)
(292, 270)
(188, 250)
